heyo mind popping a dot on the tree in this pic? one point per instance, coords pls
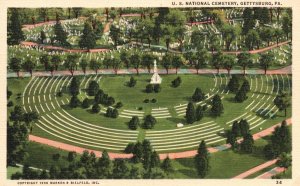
(202, 58)
(15, 65)
(115, 113)
(202, 160)
(138, 152)
(285, 160)
(231, 139)
(135, 61)
(197, 39)
(74, 86)
(217, 60)
(149, 88)
(176, 82)
(129, 148)
(167, 165)
(120, 169)
(229, 33)
(235, 129)
(95, 65)
(116, 64)
(252, 39)
(245, 86)
(241, 95)
(83, 64)
(244, 126)
(249, 20)
(132, 82)
(74, 101)
(278, 34)
(124, 56)
(157, 88)
(266, 60)
(115, 34)
(134, 123)
(14, 28)
(95, 108)
(85, 103)
(104, 166)
(217, 106)
(71, 156)
(44, 59)
(198, 95)
(266, 34)
(71, 63)
(93, 88)
(287, 25)
(282, 101)
(167, 62)
(233, 84)
(177, 62)
(228, 62)
(30, 117)
(199, 113)
(190, 113)
(29, 65)
(17, 115)
(56, 61)
(60, 35)
(88, 37)
(244, 60)
(147, 60)
(247, 144)
(77, 11)
(149, 122)
(43, 36)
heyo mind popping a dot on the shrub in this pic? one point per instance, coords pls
(109, 112)
(153, 100)
(146, 101)
(149, 88)
(198, 95)
(56, 156)
(119, 105)
(85, 103)
(9, 93)
(157, 88)
(176, 82)
(132, 82)
(115, 113)
(129, 148)
(134, 123)
(149, 122)
(74, 102)
(110, 101)
(59, 94)
(140, 108)
(95, 108)
(10, 104)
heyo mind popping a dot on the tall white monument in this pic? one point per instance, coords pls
(155, 79)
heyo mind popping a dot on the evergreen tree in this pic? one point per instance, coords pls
(282, 101)
(74, 86)
(241, 95)
(83, 64)
(120, 169)
(95, 65)
(44, 59)
(129, 148)
(157, 88)
(14, 28)
(60, 35)
(167, 166)
(17, 114)
(198, 95)
(202, 160)
(236, 130)
(245, 86)
(132, 82)
(149, 122)
(149, 88)
(85, 103)
(233, 84)
(74, 101)
(104, 166)
(266, 60)
(95, 108)
(217, 106)
(134, 123)
(190, 113)
(115, 113)
(43, 36)
(93, 88)
(231, 139)
(138, 152)
(88, 38)
(176, 82)
(244, 127)
(199, 113)
(15, 65)
(247, 144)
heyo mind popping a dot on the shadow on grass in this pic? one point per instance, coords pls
(176, 120)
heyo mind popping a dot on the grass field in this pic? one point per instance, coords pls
(95, 131)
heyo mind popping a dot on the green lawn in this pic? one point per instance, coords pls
(12, 170)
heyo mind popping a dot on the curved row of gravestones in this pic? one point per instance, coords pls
(260, 100)
(40, 95)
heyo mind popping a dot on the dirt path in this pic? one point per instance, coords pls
(255, 169)
(174, 155)
(270, 173)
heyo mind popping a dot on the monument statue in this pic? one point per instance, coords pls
(155, 79)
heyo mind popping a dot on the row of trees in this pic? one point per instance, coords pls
(149, 122)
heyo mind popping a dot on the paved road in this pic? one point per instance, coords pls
(285, 70)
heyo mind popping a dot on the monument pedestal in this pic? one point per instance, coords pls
(155, 79)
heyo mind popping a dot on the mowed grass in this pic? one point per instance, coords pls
(12, 170)
(224, 164)
(116, 86)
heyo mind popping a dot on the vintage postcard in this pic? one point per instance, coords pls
(149, 93)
